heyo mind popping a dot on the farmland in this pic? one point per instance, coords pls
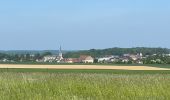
(113, 67)
(80, 84)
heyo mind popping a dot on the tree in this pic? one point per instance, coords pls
(37, 56)
(16, 57)
(46, 54)
(117, 51)
(95, 60)
(27, 57)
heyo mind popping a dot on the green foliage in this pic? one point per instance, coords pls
(157, 59)
(117, 51)
(2, 55)
(46, 54)
(89, 71)
(23, 57)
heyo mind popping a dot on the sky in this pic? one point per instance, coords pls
(83, 24)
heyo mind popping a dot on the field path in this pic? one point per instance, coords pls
(82, 67)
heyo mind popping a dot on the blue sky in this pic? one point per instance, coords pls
(83, 24)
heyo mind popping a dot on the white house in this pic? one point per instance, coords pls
(107, 58)
(125, 60)
(89, 59)
(50, 58)
(86, 59)
(104, 59)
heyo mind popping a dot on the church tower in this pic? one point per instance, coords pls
(60, 54)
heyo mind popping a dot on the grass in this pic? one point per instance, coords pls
(48, 84)
(82, 71)
(161, 65)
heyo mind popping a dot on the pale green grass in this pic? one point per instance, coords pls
(83, 86)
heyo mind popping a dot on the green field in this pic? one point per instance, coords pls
(45, 84)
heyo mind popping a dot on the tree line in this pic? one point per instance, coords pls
(23, 57)
(117, 51)
(159, 58)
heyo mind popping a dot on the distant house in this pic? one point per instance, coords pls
(4, 60)
(39, 60)
(51, 58)
(86, 59)
(164, 55)
(125, 60)
(68, 60)
(81, 59)
(114, 59)
(71, 60)
(104, 59)
(108, 58)
(133, 56)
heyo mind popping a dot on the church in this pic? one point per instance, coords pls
(54, 58)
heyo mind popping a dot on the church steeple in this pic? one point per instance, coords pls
(60, 54)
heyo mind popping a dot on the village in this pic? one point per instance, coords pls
(127, 58)
(59, 57)
(124, 59)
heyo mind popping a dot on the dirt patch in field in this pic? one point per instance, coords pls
(82, 67)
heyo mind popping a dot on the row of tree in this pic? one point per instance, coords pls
(117, 51)
(157, 59)
(23, 57)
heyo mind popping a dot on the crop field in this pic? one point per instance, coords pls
(80, 84)
(113, 67)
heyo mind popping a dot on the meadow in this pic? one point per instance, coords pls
(49, 84)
